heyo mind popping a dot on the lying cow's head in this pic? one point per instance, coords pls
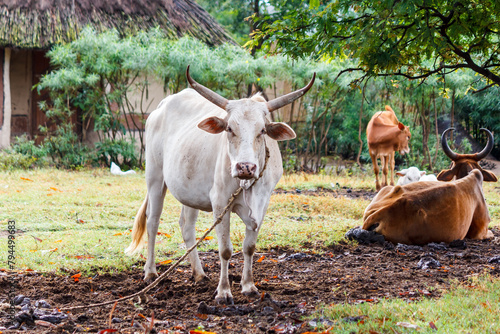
(462, 164)
(246, 125)
(409, 175)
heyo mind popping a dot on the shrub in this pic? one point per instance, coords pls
(118, 151)
(14, 160)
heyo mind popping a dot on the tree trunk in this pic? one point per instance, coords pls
(424, 119)
(360, 128)
(452, 116)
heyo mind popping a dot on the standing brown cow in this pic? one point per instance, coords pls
(385, 135)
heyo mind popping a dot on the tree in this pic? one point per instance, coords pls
(412, 38)
(232, 15)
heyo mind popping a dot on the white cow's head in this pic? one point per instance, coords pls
(409, 175)
(246, 125)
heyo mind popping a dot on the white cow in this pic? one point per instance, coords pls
(428, 177)
(409, 175)
(413, 174)
(202, 147)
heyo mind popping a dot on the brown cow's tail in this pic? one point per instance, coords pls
(139, 229)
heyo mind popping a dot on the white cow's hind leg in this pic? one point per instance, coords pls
(247, 284)
(156, 193)
(224, 295)
(187, 223)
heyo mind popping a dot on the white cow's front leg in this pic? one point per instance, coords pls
(224, 295)
(247, 284)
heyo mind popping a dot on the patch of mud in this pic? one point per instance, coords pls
(291, 282)
(367, 194)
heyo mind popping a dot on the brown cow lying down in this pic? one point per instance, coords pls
(423, 212)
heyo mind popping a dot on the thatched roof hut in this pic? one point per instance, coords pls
(38, 24)
(28, 28)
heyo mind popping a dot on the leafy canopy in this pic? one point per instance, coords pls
(410, 38)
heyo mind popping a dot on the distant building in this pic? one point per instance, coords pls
(29, 28)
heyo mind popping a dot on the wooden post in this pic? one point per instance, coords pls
(7, 106)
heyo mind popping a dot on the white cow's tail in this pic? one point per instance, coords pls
(139, 229)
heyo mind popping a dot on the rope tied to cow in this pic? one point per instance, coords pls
(173, 266)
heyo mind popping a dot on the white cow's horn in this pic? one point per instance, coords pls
(206, 93)
(290, 97)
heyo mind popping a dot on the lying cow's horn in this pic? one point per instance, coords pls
(488, 147)
(444, 143)
(206, 93)
(290, 97)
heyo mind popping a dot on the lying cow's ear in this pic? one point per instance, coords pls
(488, 176)
(401, 126)
(280, 131)
(446, 175)
(402, 172)
(422, 173)
(213, 125)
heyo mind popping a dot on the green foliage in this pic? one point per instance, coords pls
(231, 14)
(24, 146)
(23, 154)
(481, 110)
(119, 151)
(14, 160)
(65, 149)
(412, 38)
(95, 76)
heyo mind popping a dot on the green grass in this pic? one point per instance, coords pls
(466, 308)
(80, 222)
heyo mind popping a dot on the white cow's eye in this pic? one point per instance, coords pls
(263, 132)
(229, 129)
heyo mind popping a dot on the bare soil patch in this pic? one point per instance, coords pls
(292, 282)
(337, 192)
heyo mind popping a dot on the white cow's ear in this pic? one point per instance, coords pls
(402, 172)
(280, 131)
(213, 125)
(422, 173)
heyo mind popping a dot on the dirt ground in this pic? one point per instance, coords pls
(291, 281)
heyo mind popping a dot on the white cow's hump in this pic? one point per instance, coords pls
(189, 104)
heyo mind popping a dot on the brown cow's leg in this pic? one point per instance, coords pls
(385, 169)
(376, 170)
(393, 163)
(479, 227)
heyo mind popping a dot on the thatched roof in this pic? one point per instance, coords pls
(38, 24)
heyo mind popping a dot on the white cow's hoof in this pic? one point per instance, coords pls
(224, 298)
(150, 277)
(200, 278)
(252, 292)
